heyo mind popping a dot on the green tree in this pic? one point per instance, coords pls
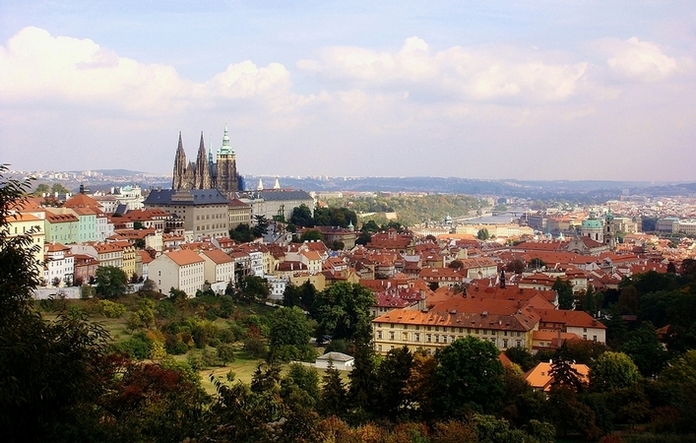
(311, 235)
(302, 296)
(302, 216)
(333, 398)
(59, 188)
(343, 311)
(363, 383)
(522, 357)
(51, 372)
(242, 233)
(483, 234)
(225, 353)
(613, 370)
(468, 371)
(288, 327)
(41, 189)
(252, 287)
(369, 227)
(112, 282)
(392, 376)
(564, 289)
(261, 225)
(645, 350)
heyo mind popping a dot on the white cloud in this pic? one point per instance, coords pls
(478, 74)
(641, 60)
(36, 66)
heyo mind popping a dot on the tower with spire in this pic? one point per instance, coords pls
(205, 173)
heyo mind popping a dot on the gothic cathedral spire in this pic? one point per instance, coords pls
(179, 165)
(202, 175)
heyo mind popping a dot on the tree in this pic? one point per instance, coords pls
(332, 400)
(252, 287)
(52, 372)
(311, 235)
(564, 374)
(517, 266)
(242, 233)
(613, 370)
(392, 376)
(288, 327)
(364, 238)
(468, 371)
(522, 357)
(302, 296)
(343, 311)
(456, 264)
(537, 263)
(59, 188)
(369, 226)
(261, 225)
(645, 350)
(483, 234)
(363, 383)
(41, 189)
(564, 289)
(112, 282)
(302, 216)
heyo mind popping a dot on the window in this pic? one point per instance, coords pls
(505, 343)
(416, 337)
(428, 338)
(391, 325)
(518, 343)
(437, 338)
(391, 335)
(379, 334)
(594, 338)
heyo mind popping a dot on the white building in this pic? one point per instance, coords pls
(59, 264)
(219, 268)
(183, 270)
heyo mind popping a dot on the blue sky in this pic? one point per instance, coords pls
(528, 90)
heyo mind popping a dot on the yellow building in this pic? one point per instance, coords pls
(502, 322)
(22, 223)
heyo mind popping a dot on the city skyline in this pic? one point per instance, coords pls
(539, 90)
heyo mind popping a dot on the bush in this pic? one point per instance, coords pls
(210, 358)
(231, 376)
(111, 309)
(196, 362)
(225, 353)
(138, 347)
(165, 309)
(255, 347)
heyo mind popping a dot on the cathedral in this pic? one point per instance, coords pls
(205, 173)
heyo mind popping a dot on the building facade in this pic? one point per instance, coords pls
(205, 173)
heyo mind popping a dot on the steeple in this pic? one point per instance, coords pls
(276, 185)
(179, 165)
(202, 174)
(226, 149)
(260, 186)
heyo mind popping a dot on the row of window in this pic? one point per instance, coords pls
(210, 216)
(456, 329)
(437, 338)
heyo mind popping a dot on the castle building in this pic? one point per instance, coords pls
(205, 173)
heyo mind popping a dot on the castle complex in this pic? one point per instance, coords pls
(204, 173)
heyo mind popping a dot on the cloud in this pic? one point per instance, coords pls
(476, 74)
(35, 66)
(640, 60)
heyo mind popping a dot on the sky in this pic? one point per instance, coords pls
(542, 90)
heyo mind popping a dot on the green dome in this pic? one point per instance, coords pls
(592, 224)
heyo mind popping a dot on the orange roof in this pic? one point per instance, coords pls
(217, 256)
(81, 201)
(184, 257)
(538, 377)
(22, 217)
(578, 319)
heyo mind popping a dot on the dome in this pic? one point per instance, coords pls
(591, 224)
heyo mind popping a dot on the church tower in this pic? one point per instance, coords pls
(202, 175)
(226, 179)
(179, 165)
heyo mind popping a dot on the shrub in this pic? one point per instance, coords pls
(225, 353)
(210, 358)
(255, 347)
(196, 362)
(111, 309)
(138, 347)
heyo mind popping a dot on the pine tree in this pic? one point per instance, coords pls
(332, 400)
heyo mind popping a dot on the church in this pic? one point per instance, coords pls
(205, 173)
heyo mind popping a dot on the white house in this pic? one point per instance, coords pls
(60, 264)
(342, 362)
(183, 270)
(219, 268)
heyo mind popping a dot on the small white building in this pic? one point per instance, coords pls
(341, 361)
(219, 267)
(183, 270)
(59, 264)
